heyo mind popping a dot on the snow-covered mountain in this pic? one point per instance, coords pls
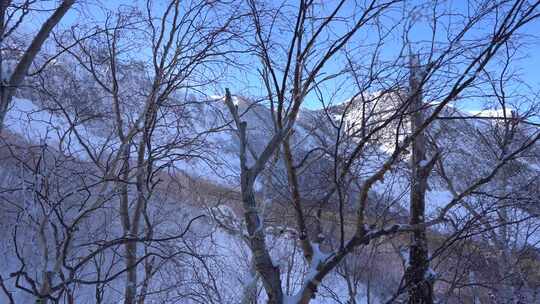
(198, 139)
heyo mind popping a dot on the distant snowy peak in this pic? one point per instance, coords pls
(497, 113)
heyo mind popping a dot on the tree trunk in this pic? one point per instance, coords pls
(297, 201)
(270, 274)
(250, 289)
(45, 290)
(9, 87)
(420, 286)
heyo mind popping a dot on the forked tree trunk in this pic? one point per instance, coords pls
(269, 273)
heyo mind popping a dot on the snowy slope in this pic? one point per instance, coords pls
(209, 126)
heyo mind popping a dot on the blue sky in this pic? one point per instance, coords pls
(528, 65)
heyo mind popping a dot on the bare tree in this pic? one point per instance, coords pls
(354, 175)
(12, 15)
(513, 16)
(149, 131)
(420, 284)
(183, 43)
